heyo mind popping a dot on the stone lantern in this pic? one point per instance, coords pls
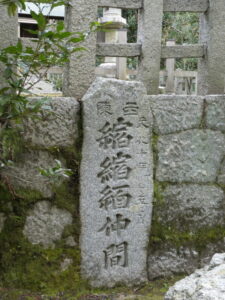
(115, 24)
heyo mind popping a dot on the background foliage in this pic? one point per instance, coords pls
(183, 28)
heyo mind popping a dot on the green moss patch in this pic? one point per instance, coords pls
(65, 197)
(154, 290)
(169, 233)
(26, 266)
(162, 234)
(154, 142)
(29, 195)
(5, 194)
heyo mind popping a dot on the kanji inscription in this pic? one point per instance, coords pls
(116, 183)
(115, 168)
(115, 135)
(120, 223)
(104, 108)
(131, 109)
(116, 255)
(115, 197)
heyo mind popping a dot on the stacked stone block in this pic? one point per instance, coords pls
(38, 214)
(189, 214)
(45, 138)
(188, 145)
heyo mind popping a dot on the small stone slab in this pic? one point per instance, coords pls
(168, 261)
(57, 125)
(176, 113)
(116, 183)
(25, 174)
(190, 156)
(45, 224)
(215, 113)
(192, 207)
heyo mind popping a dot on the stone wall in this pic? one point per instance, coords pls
(39, 216)
(188, 142)
(39, 224)
(189, 175)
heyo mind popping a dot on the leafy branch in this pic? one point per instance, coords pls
(56, 172)
(21, 64)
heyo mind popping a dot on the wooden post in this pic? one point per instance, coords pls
(170, 68)
(211, 73)
(80, 71)
(149, 34)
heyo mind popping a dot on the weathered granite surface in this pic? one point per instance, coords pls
(80, 70)
(2, 221)
(204, 284)
(221, 174)
(210, 249)
(174, 113)
(57, 125)
(190, 156)
(169, 261)
(8, 34)
(211, 67)
(215, 113)
(45, 224)
(116, 183)
(189, 164)
(8, 28)
(70, 242)
(190, 5)
(149, 35)
(25, 173)
(192, 206)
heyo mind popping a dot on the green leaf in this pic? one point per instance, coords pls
(19, 46)
(60, 3)
(76, 39)
(40, 18)
(78, 49)
(60, 26)
(11, 50)
(64, 35)
(12, 5)
(7, 73)
(3, 90)
(32, 31)
(94, 25)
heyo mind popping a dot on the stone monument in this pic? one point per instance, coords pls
(116, 183)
